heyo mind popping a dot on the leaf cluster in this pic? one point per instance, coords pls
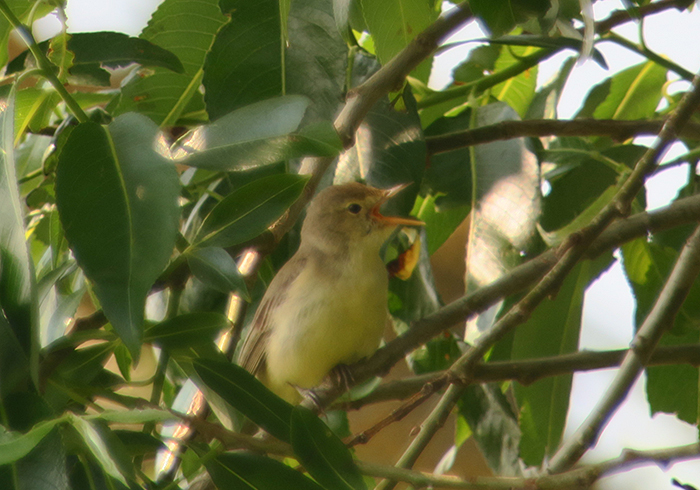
(136, 173)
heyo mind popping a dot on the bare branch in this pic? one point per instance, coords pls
(661, 316)
(528, 371)
(617, 130)
(622, 16)
(579, 478)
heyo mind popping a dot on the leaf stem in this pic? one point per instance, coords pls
(43, 62)
(488, 81)
(650, 55)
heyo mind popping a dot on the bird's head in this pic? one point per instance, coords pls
(343, 216)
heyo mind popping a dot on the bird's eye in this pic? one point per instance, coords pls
(354, 208)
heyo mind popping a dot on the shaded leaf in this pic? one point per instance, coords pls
(674, 389)
(14, 445)
(217, 269)
(315, 58)
(123, 231)
(552, 330)
(17, 288)
(245, 393)
(500, 16)
(187, 29)
(187, 330)
(488, 414)
(647, 266)
(251, 471)
(322, 453)
(232, 77)
(249, 210)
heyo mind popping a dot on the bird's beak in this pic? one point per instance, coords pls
(393, 220)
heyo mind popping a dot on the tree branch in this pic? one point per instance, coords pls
(528, 371)
(578, 478)
(617, 130)
(622, 16)
(663, 313)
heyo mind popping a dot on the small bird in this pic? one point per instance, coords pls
(328, 304)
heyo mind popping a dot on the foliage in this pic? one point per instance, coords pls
(125, 210)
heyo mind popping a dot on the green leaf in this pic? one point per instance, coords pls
(17, 288)
(674, 389)
(242, 391)
(517, 91)
(115, 50)
(322, 453)
(490, 417)
(217, 269)
(14, 362)
(60, 55)
(647, 266)
(250, 210)
(22, 9)
(633, 93)
(187, 330)
(134, 416)
(581, 179)
(255, 472)
(187, 29)
(33, 109)
(232, 77)
(105, 447)
(552, 330)
(14, 446)
(316, 58)
(259, 134)
(439, 223)
(500, 16)
(394, 23)
(123, 231)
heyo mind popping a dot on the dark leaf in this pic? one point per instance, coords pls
(187, 330)
(322, 453)
(249, 210)
(217, 269)
(232, 77)
(123, 231)
(245, 393)
(17, 288)
(254, 472)
(552, 330)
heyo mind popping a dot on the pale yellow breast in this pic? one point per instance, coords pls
(337, 319)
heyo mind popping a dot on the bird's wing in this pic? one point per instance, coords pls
(252, 354)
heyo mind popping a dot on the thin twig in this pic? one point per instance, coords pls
(46, 67)
(579, 478)
(527, 371)
(428, 429)
(617, 130)
(663, 313)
